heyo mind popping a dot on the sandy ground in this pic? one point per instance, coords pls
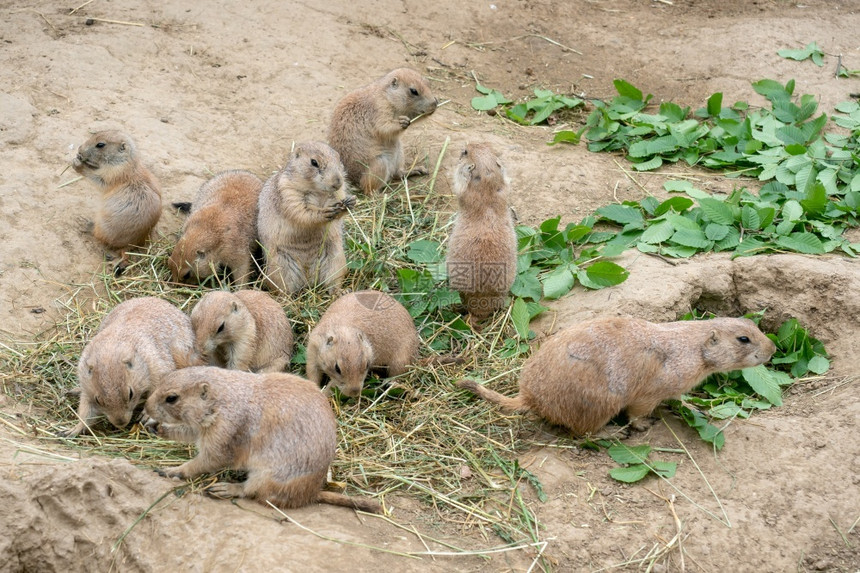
(209, 86)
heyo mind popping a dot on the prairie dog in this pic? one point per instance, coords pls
(137, 344)
(278, 427)
(299, 221)
(131, 199)
(366, 126)
(221, 230)
(482, 247)
(245, 330)
(359, 332)
(584, 375)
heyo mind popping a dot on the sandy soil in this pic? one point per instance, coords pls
(214, 85)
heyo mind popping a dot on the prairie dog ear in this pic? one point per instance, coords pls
(714, 338)
(394, 82)
(329, 341)
(235, 306)
(204, 390)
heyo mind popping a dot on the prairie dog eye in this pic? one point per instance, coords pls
(131, 394)
(220, 328)
(171, 398)
(337, 369)
(315, 163)
(744, 339)
(100, 144)
(413, 91)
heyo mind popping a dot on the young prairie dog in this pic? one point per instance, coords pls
(137, 344)
(245, 330)
(131, 199)
(482, 247)
(299, 221)
(366, 126)
(221, 231)
(361, 331)
(584, 375)
(278, 427)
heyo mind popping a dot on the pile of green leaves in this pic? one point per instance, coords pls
(635, 464)
(530, 112)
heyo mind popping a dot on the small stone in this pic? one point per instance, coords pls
(89, 22)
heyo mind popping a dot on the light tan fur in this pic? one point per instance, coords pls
(366, 126)
(131, 198)
(299, 221)
(278, 427)
(245, 330)
(361, 331)
(482, 247)
(221, 231)
(586, 374)
(137, 344)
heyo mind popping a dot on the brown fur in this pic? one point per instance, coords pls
(137, 344)
(299, 221)
(482, 248)
(245, 330)
(131, 199)
(586, 374)
(359, 332)
(366, 126)
(221, 230)
(278, 427)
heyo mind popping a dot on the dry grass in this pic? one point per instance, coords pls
(415, 436)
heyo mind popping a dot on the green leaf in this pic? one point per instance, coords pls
(527, 285)
(806, 243)
(630, 474)
(627, 90)
(791, 210)
(424, 251)
(624, 454)
(750, 218)
(717, 211)
(673, 186)
(621, 214)
(484, 103)
(810, 51)
(773, 90)
(716, 232)
(658, 233)
(715, 104)
(520, 318)
(816, 199)
(664, 469)
(678, 204)
(649, 165)
(763, 383)
(819, 365)
(566, 136)
(725, 410)
(690, 238)
(557, 283)
(607, 273)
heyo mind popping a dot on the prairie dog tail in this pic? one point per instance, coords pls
(514, 404)
(360, 503)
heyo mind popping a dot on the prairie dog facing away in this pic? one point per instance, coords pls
(221, 231)
(299, 221)
(482, 247)
(245, 330)
(278, 427)
(131, 198)
(584, 375)
(361, 331)
(137, 344)
(367, 123)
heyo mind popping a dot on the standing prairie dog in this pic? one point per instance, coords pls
(359, 332)
(366, 126)
(131, 198)
(584, 375)
(299, 221)
(137, 344)
(278, 427)
(482, 248)
(221, 230)
(245, 330)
